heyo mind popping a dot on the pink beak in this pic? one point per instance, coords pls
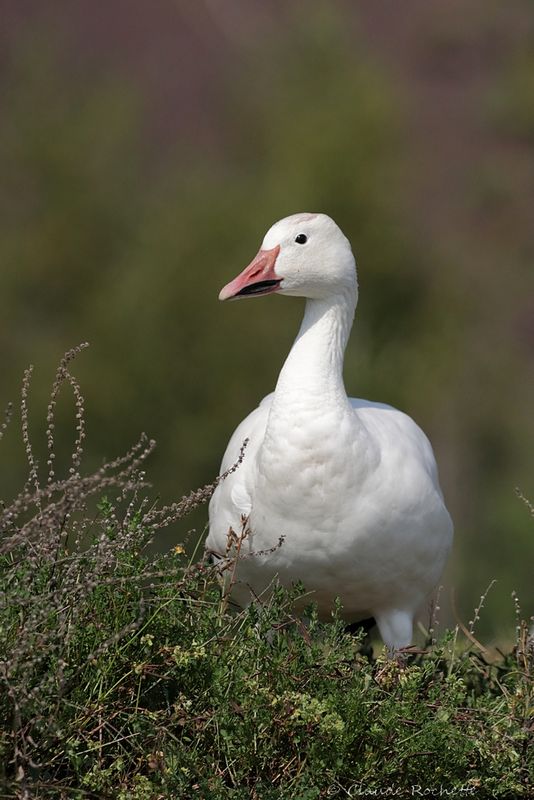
(258, 278)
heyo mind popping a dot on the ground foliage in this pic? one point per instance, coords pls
(125, 674)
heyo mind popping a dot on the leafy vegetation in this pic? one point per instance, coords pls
(126, 675)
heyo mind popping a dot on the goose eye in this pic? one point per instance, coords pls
(301, 238)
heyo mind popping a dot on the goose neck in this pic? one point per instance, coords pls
(315, 363)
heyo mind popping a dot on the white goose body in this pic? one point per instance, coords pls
(350, 485)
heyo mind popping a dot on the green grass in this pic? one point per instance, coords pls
(125, 674)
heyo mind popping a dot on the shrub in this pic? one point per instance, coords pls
(126, 674)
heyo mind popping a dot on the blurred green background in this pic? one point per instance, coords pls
(145, 148)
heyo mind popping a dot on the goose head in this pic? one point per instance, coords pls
(304, 255)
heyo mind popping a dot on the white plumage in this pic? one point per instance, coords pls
(350, 485)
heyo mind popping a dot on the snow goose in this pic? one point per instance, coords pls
(351, 485)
